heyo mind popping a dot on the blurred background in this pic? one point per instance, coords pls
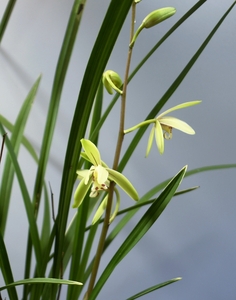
(195, 236)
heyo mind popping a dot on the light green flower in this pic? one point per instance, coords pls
(98, 176)
(163, 125)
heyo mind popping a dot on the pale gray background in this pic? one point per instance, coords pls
(195, 236)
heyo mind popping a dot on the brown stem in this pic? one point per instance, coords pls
(106, 222)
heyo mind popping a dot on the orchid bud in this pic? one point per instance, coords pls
(157, 16)
(152, 19)
(112, 81)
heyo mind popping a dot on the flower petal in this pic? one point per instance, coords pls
(81, 192)
(101, 174)
(159, 137)
(123, 182)
(83, 174)
(85, 156)
(150, 140)
(180, 106)
(177, 124)
(92, 152)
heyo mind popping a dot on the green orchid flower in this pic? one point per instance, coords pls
(98, 176)
(163, 125)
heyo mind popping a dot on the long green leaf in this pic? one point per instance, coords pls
(153, 288)
(140, 229)
(121, 224)
(58, 83)
(6, 17)
(26, 198)
(40, 281)
(6, 269)
(16, 138)
(25, 142)
(107, 36)
(76, 273)
(61, 70)
(153, 192)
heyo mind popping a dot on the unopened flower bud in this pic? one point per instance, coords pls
(157, 16)
(152, 19)
(112, 81)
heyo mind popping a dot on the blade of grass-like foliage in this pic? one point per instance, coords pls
(78, 243)
(145, 223)
(46, 222)
(121, 224)
(46, 245)
(79, 260)
(6, 269)
(107, 36)
(6, 17)
(26, 198)
(153, 288)
(97, 111)
(61, 70)
(169, 93)
(40, 281)
(25, 142)
(60, 73)
(141, 204)
(8, 172)
(158, 44)
(153, 192)
(46, 225)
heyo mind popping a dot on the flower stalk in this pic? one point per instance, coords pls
(106, 221)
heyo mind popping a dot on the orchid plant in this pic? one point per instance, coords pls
(88, 186)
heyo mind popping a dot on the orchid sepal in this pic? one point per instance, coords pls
(123, 183)
(146, 122)
(81, 192)
(91, 151)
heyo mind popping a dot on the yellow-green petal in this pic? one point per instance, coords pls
(92, 152)
(85, 156)
(81, 192)
(150, 140)
(124, 183)
(180, 106)
(83, 174)
(159, 137)
(177, 124)
(147, 122)
(101, 174)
